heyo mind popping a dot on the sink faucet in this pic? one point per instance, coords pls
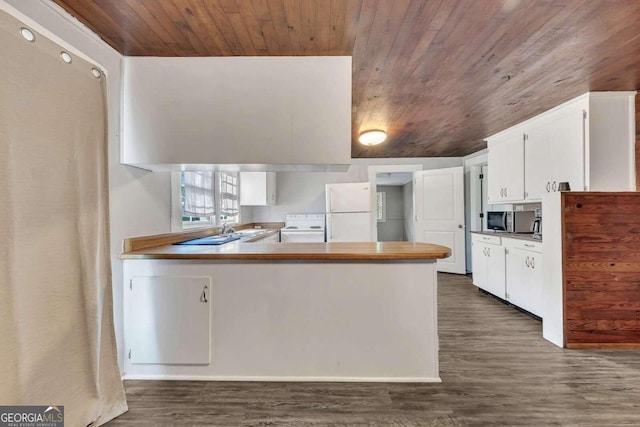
(226, 228)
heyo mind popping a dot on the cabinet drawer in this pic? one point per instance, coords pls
(526, 245)
(483, 238)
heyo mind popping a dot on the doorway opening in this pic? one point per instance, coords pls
(394, 195)
(393, 221)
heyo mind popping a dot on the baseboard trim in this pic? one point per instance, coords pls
(283, 378)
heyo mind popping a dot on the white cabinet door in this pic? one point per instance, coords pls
(554, 153)
(524, 279)
(506, 168)
(488, 264)
(257, 188)
(496, 270)
(567, 151)
(537, 167)
(169, 320)
(275, 238)
(479, 264)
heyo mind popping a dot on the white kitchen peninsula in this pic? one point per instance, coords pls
(283, 312)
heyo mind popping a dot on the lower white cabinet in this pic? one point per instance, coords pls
(274, 238)
(524, 274)
(488, 263)
(169, 320)
(510, 269)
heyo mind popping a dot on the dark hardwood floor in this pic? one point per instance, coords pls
(496, 370)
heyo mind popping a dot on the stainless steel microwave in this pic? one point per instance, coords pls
(500, 221)
(512, 222)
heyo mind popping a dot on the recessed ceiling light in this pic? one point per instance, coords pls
(27, 34)
(96, 73)
(66, 57)
(372, 137)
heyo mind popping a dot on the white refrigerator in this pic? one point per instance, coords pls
(349, 215)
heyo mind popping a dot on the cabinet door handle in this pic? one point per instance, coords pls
(548, 186)
(506, 192)
(527, 262)
(553, 186)
(488, 252)
(533, 262)
(484, 251)
(203, 295)
(529, 245)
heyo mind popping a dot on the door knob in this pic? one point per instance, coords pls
(459, 225)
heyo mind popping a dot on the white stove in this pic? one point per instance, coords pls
(303, 228)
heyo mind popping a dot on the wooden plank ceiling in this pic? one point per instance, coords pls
(438, 75)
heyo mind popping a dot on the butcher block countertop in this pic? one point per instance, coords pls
(162, 247)
(296, 251)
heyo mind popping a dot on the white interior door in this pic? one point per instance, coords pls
(439, 213)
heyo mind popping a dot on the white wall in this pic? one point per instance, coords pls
(392, 229)
(139, 200)
(303, 192)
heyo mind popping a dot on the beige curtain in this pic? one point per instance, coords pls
(57, 344)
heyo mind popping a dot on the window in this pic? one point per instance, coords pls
(204, 199)
(197, 198)
(229, 207)
(381, 206)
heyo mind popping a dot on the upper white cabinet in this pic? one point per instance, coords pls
(242, 110)
(257, 188)
(554, 153)
(506, 182)
(588, 142)
(537, 154)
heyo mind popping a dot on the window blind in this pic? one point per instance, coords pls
(199, 194)
(229, 194)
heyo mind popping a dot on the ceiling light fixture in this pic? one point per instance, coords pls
(372, 137)
(27, 34)
(66, 57)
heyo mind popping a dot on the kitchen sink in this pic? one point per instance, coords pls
(220, 239)
(248, 232)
